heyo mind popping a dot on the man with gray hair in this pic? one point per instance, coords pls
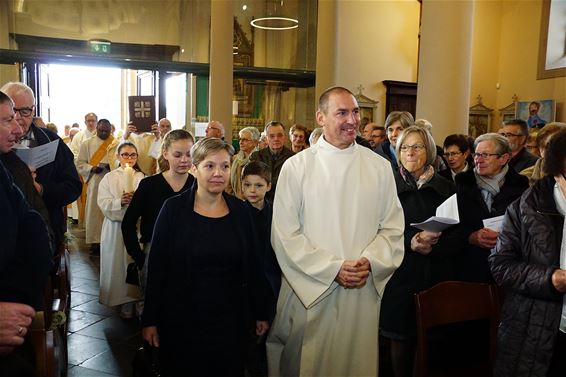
(57, 182)
(249, 139)
(215, 129)
(516, 132)
(484, 192)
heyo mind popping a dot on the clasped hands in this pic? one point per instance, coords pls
(422, 242)
(353, 273)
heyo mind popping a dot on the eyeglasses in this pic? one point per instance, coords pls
(128, 155)
(509, 134)
(24, 111)
(415, 147)
(485, 155)
(451, 154)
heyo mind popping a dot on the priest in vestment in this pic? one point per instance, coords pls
(93, 164)
(338, 235)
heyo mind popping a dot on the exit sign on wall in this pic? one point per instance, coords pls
(100, 47)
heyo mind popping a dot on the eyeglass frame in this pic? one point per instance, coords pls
(485, 155)
(509, 134)
(415, 147)
(25, 110)
(129, 155)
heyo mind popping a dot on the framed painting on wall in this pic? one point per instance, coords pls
(536, 113)
(552, 43)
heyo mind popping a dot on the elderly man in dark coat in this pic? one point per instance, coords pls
(484, 192)
(58, 181)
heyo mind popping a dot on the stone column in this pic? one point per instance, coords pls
(221, 64)
(443, 95)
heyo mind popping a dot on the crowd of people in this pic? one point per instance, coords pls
(307, 253)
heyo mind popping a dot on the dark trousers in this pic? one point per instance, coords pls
(558, 362)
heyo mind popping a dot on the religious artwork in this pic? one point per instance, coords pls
(142, 112)
(552, 45)
(479, 118)
(368, 106)
(536, 113)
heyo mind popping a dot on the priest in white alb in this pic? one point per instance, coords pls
(92, 164)
(338, 235)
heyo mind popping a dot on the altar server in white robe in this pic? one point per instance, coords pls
(114, 194)
(92, 164)
(338, 235)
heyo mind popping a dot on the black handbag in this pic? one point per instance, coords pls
(146, 362)
(132, 274)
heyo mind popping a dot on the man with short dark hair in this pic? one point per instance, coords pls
(57, 182)
(93, 165)
(516, 132)
(275, 154)
(337, 247)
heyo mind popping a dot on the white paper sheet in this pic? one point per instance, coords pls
(446, 216)
(38, 156)
(494, 223)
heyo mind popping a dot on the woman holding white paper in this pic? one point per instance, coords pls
(114, 194)
(484, 193)
(427, 254)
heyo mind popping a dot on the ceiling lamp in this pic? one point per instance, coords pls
(274, 22)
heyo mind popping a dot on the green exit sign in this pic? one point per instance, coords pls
(100, 47)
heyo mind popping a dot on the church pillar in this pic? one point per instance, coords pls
(325, 48)
(221, 64)
(443, 95)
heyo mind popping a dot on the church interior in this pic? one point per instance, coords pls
(466, 66)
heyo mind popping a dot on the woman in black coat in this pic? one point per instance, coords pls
(529, 261)
(427, 258)
(203, 274)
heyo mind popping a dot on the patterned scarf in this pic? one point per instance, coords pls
(489, 187)
(426, 176)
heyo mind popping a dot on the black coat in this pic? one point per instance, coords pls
(417, 272)
(275, 163)
(383, 149)
(60, 181)
(472, 261)
(25, 254)
(526, 255)
(524, 159)
(176, 299)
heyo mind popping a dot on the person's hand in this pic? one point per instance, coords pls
(96, 169)
(155, 130)
(126, 198)
(38, 187)
(353, 273)
(150, 335)
(485, 237)
(261, 327)
(14, 322)
(129, 129)
(423, 242)
(559, 280)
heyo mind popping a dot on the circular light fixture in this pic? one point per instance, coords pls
(275, 23)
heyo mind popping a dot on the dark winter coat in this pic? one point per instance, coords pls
(472, 261)
(526, 255)
(417, 272)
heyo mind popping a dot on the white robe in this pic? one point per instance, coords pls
(78, 139)
(332, 205)
(93, 215)
(114, 259)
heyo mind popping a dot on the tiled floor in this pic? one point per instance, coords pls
(100, 343)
